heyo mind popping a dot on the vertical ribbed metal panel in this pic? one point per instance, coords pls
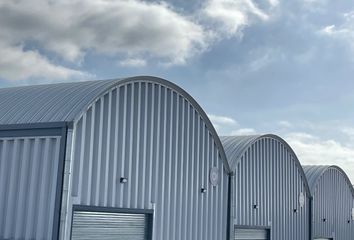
(332, 203)
(154, 137)
(28, 180)
(266, 191)
(106, 225)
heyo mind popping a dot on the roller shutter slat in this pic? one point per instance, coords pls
(251, 234)
(107, 226)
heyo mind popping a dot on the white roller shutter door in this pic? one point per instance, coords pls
(108, 226)
(251, 234)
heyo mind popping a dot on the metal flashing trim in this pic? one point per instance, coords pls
(28, 130)
(88, 208)
(229, 223)
(252, 227)
(32, 125)
(60, 183)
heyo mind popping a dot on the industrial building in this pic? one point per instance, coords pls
(269, 197)
(138, 158)
(134, 158)
(332, 204)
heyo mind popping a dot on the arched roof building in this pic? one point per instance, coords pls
(115, 158)
(270, 197)
(333, 202)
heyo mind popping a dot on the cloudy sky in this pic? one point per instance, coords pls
(265, 66)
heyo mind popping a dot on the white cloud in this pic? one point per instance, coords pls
(343, 32)
(70, 29)
(337, 32)
(133, 62)
(274, 3)
(316, 151)
(262, 61)
(17, 64)
(253, 9)
(136, 31)
(328, 29)
(226, 126)
(285, 124)
(222, 124)
(349, 132)
(224, 120)
(230, 16)
(244, 131)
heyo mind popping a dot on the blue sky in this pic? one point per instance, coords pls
(271, 66)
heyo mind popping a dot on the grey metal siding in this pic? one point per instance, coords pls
(150, 134)
(28, 183)
(266, 187)
(332, 202)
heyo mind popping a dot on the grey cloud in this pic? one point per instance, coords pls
(152, 31)
(70, 28)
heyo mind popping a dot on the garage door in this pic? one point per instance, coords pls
(107, 225)
(251, 234)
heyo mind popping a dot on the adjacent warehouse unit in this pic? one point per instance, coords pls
(135, 158)
(270, 197)
(333, 203)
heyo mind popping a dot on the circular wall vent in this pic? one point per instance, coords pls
(214, 176)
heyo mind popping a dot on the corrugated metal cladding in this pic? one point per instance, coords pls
(333, 201)
(269, 188)
(164, 145)
(28, 179)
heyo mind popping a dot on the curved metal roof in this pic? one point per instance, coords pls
(59, 102)
(315, 172)
(236, 146)
(66, 102)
